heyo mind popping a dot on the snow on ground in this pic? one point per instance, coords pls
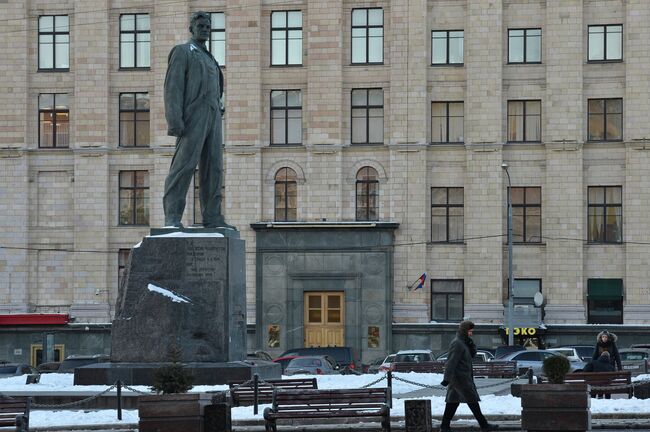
(490, 404)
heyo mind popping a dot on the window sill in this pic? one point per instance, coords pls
(286, 65)
(133, 226)
(53, 148)
(445, 243)
(52, 70)
(618, 140)
(604, 61)
(593, 243)
(526, 244)
(285, 145)
(437, 143)
(366, 144)
(367, 64)
(134, 69)
(524, 63)
(134, 147)
(458, 65)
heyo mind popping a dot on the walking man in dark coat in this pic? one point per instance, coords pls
(193, 109)
(459, 379)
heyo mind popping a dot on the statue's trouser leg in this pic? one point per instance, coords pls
(211, 173)
(186, 157)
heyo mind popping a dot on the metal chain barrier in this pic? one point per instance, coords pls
(440, 387)
(136, 390)
(79, 402)
(374, 382)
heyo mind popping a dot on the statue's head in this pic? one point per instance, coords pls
(200, 25)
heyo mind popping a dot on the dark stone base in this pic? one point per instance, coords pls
(204, 373)
(226, 232)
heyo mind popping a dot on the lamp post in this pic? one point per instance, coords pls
(511, 333)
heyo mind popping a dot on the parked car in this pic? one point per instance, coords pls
(312, 365)
(74, 361)
(346, 357)
(259, 355)
(481, 356)
(584, 351)
(574, 357)
(642, 345)
(636, 360)
(505, 350)
(373, 366)
(49, 367)
(16, 369)
(532, 359)
(284, 361)
(408, 356)
(385, 364)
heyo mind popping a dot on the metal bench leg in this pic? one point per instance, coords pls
(22, 424)
(270, 426)
(385, 424)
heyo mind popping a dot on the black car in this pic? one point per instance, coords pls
(346, 357)
(74, 361)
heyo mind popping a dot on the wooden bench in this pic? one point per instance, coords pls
(15, 412)
(604, 379)
(245, 395)
(505, 369)
(328, 404)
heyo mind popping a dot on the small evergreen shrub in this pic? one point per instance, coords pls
(173, 378)
(556, 368)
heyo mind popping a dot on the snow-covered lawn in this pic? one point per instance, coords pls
(490, 404)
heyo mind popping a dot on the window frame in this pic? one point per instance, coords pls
(135, 33)
(605, 32)
(286, 29)
(447, 43)
(134, 188)
(604, 206)
(367, 27)
(447, 117)
(54, 35)
(367, 108)
(525, 45)
(286, 108)
(526, 206)
(214, 30)
(447, 206)
(134, 111)
(287, 184)
(54, 111)
(524, 115)
(446, 294)
(604, 114)
(369, 184)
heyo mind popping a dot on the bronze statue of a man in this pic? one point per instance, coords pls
(193, 109)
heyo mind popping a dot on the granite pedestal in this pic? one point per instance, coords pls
(183, 289)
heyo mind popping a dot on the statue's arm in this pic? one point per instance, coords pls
(175, 91)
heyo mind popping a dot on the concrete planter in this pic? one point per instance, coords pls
(173, 412)
(555, 407)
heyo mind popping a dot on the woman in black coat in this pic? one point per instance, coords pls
(459, 379)
(606, 341)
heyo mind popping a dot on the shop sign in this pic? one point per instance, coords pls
(524, 331)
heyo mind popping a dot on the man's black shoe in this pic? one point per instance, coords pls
(489, 427)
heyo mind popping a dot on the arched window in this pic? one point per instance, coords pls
(367, 194)
(286, 195)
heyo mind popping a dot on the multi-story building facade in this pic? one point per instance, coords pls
(364, 144)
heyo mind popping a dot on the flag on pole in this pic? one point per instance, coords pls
(419, 283)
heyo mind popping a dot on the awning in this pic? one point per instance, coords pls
(605, 289)
(34, 319)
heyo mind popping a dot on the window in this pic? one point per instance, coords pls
(53, 42)
(525, 46)
(122, 262)
(447, 47)
(606, 43)
(367, 194)
(134, 198)
(286, 195)
(447, 215)
(53, 120)
(604, 301)
(367, 36)
(526, 214)
(446, 300)
(525, 313)
(524, 121)
(605, 119)
(135, 40)
(367, 116)
(286, 38)
(217, 42)
(447, 122)
(605, 214)
(134, 119)
(286, 117)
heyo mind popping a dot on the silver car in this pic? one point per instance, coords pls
(533, 359)
(312, 365)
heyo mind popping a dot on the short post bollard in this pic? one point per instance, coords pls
(256, 386)
(119, 399)
(389, 379)
(417, 414)
(216, 417)
(530, 376)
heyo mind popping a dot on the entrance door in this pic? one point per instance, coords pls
(324, 318)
